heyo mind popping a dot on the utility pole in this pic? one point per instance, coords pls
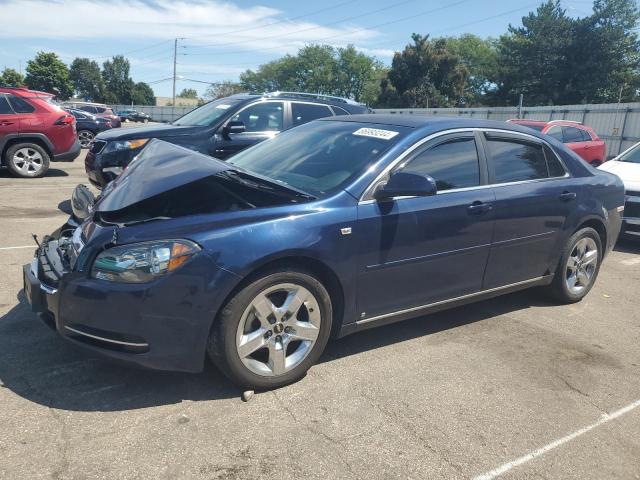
(175, 56)
(520, 105)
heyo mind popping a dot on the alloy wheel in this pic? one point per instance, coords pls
(28, 161)
(85, 137)
(278, 329)
(581, 265)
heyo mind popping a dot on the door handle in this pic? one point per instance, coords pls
(566, 196)
(478, 208)
(5, 124)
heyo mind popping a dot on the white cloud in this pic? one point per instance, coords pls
(204, 23)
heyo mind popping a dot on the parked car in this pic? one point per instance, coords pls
(88, 126)
(220, 128)
(578, 137)
(134, 116)
(627, 167)
(34, 131)
(335, 226)
(100, 110)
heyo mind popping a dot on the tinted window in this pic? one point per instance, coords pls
(5, 108)
(339, 111)
(317, 158)
(571, 135)
(305, 112)
(555, 167)
(453, 164)
(100, 109)
(516, 161)
(586, 137)
(88, 108)
(631, 156)
(261, 117)
(20, 105)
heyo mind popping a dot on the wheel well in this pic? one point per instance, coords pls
(599, 227)
(322, 272)
(13, 141)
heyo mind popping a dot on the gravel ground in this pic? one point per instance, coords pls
(516, 382)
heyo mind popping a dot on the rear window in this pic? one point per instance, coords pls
(20, 105)
(5, 108)
(516, 161)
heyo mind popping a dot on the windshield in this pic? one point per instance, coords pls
(631, 156)
(207, 114)
(320, 156)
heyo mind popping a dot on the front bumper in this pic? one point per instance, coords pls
(631, 217)
(69, 156)
(162, 325)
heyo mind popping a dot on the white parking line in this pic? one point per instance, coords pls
(20, 246)
(606, 417)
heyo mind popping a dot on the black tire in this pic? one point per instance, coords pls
(558, 288)
(17, 151)
(222, 340)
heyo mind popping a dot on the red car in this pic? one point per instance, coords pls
(34, 131)
(578, 137)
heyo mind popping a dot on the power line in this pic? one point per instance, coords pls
(347, 19)
(409, 17)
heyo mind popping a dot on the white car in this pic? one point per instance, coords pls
(627, 167)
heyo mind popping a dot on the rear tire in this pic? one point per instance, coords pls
(578, 267)
(85, 137)
(27, 160)
(273, 330)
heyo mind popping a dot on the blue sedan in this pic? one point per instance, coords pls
(330, 228)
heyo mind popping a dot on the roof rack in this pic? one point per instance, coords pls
(318, 96)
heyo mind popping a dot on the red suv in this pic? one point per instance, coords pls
(34, 130)
(579, 138)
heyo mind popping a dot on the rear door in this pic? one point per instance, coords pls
(574, 139)
(534, 195)
(262, 120)
(9, 122)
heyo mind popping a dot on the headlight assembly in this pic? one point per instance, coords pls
(125, 145)
(142, 262)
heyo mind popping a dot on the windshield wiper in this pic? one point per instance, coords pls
(260, 183)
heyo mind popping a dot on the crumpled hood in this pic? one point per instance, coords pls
(160, 167)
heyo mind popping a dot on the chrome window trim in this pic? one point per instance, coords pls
(364, 198)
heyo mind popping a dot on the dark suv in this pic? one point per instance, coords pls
(34, 130)
(220, 128)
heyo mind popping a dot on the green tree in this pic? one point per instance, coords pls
(426, 74)
(118, 84)
(480, 56)
(188, 93)
(222, 89)
(142, 94)
(86, 79)
(11, 78)
(317, 69)
(46, 72)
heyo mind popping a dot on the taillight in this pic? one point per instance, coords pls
(65, 120)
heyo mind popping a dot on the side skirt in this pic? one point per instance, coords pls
(387, 318)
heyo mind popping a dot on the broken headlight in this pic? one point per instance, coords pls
(142, 262)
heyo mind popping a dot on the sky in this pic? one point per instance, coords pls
(220, 39)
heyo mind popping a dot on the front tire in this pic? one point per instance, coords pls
(27, 160)
(578, 267)
(273, 330)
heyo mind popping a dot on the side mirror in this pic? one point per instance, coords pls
(234, 127)
(404, 184)
(82, 201)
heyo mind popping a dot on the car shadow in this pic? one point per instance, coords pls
(40, 366)
(627, 244)
(52, 172)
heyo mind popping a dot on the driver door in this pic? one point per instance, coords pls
(420, 250)
(261, 120)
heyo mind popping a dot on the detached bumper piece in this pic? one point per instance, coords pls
(104, 339)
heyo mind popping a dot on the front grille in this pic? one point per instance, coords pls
(97, 146)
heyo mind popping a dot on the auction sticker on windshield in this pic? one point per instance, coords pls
(376, 133)
(224, 106)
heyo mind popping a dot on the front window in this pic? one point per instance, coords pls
(262, 117)
(631, 156)
(319, 157)
(207, 114)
